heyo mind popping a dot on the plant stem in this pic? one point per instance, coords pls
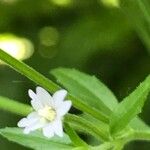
(38, 78)
(83, 124)
(139, 135)
(76, 140)
(132, 135)
(14, 106)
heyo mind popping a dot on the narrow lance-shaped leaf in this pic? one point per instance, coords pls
(129, 107)
(86, 87)
(36, 140)
(138, 124)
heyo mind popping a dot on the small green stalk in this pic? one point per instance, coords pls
(14, 106)
(83, 124)
(76, 140)
(138, 135)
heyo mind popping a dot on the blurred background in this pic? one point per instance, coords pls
(94, 36)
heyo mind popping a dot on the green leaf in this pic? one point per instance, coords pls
(79, 148)
(138, 124)
(86, 87)
(129, 107)
(36, 140)
(103, 126)
(138, 12)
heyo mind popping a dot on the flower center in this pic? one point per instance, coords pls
(48, 113)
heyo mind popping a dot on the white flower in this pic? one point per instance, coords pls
(48, 112)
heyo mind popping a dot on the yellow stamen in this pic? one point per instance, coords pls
(48, 113)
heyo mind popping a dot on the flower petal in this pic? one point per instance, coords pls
(31, 118)
(22, 123)
(64, 108)
(59, 97)
(31, 94)
(58, 127)
(48, 131)
(36, 125)
(33, 115)
(36, 104)
(44, 96)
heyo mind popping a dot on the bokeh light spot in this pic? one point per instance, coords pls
(20, 48)
(111, 3)
(62, 2)
(48, 36)
(8, 1)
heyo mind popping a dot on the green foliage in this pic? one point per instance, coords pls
(138, 13)
(93, 38)
(137, 124)
(36, 140)
(86, 87)
(38, 78)
(77, 42)
(129, 107)
(89, 95)
(103, 126)
(86, 126)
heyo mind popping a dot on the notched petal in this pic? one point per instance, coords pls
(22, 123)
(36, 104)
(44, 97)
(59, 97)
(64, 108)
(31, 94)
